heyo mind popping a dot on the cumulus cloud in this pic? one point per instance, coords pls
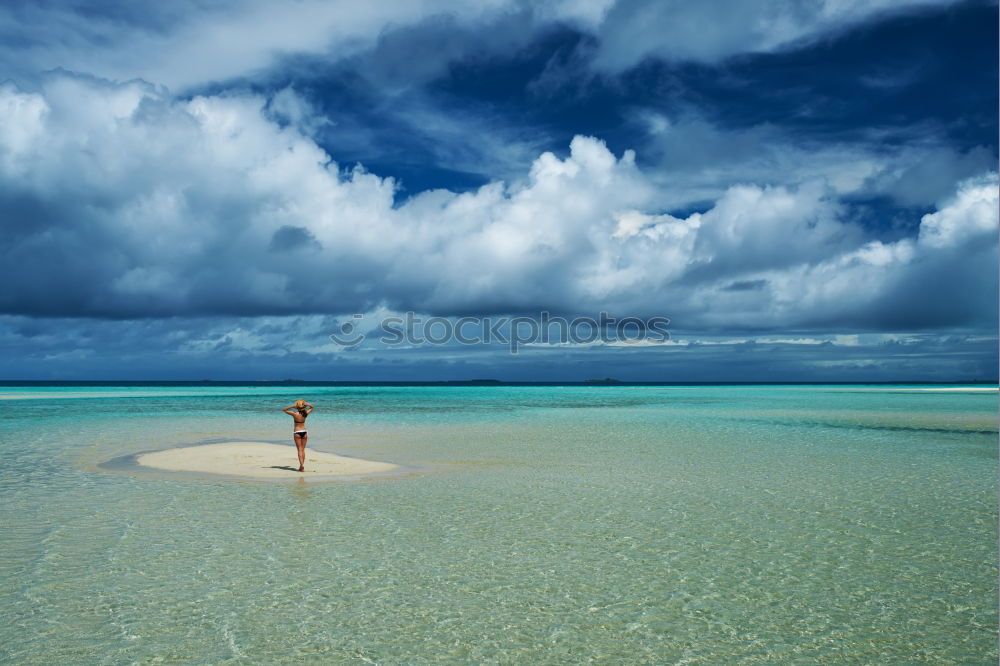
(768, 258)
(121, 201)
(947, 275)
(969, 216)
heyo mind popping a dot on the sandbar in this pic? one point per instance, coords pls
(260, 460)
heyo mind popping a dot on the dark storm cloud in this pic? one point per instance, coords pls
(289, 238)
(745, 285)
(273, 349)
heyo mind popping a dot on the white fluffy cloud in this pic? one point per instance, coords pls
(121, 201)
(971, 216)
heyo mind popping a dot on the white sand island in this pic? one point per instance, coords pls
(260, 460)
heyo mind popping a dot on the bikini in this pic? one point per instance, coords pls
(303, 431)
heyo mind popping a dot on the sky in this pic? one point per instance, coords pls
(805, 190)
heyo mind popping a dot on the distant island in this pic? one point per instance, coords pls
(473, 381)
(606, 380)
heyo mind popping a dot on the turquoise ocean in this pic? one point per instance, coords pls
(535, 525)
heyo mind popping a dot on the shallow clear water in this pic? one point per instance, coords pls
(698, 525)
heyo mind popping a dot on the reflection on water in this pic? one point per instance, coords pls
(300, 490)
(559, 525)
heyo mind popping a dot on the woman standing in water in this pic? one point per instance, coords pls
(299, 411)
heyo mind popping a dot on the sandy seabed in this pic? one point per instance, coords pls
(260, 460)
